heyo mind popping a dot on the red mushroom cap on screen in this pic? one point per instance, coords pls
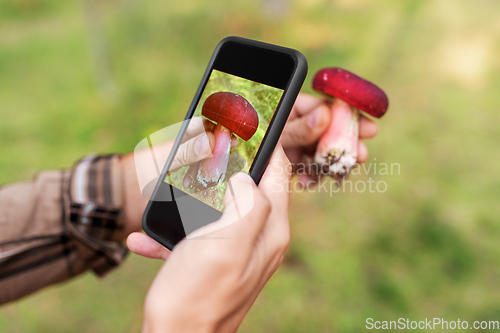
(233, 112)
(352, 89)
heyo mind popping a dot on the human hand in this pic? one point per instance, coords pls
(209, 283)
(197, 144)
(308, 120)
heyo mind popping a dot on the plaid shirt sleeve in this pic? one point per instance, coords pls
(59, 225)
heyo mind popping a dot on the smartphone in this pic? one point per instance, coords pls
(248, 91)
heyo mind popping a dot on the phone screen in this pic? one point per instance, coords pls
(238, 111)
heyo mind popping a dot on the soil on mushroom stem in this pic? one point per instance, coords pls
(213, 196)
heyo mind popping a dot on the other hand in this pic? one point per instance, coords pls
(210, 284)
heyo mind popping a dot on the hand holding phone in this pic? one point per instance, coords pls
(244, 99)
(207, 285)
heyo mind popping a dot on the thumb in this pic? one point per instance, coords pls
(145, 246)
(194, 150)
(305, 130)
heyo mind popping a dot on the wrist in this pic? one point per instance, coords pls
(133, 202)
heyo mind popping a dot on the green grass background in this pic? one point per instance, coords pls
(427, 247)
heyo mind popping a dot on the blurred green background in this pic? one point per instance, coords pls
(98, 76)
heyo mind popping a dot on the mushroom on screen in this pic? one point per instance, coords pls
(233, 114)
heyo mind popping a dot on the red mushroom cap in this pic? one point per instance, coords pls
(233, 112)
(352, 89)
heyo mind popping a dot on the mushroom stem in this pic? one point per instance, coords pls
(337, 150)
(212, 170)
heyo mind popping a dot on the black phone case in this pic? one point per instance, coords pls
(273, 132)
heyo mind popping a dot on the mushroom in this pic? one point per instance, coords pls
(232, 113)
(337, 150)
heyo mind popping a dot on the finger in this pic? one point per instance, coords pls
(194, 128)
(305, 182)
(301, 158)
(276, 178)
(248, 203)
(245, 212)
(294, 156)
(362, 152)
(194, 150)
(306, 130)
(197, 126)
(275, 185)
(145, 246)
(367, 128)
(304, 104)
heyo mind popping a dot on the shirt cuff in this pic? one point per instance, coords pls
(95, 205)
